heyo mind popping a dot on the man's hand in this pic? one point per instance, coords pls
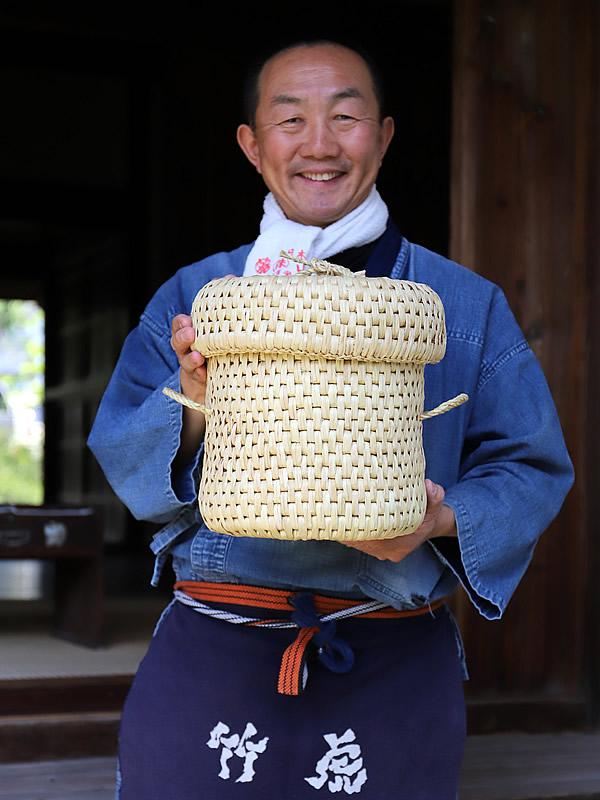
(192, 363)
(438, 521)
(192, 377)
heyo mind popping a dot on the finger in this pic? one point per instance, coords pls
(193, 361)
(185, 336)
(180, 321)
(182, 335)
(193, 383)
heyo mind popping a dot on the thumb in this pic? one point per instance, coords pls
(435, 492)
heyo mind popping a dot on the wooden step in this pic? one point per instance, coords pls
(63, 695)
(42, 719)
(72, 779)
(520, 766)
(43, 737)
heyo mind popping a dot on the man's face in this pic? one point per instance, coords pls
(318, 141)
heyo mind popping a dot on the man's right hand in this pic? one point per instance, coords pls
(192, 363)
(192, 377)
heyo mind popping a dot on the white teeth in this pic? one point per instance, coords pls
(320, 176)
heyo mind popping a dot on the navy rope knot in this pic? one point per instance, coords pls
(333, 652)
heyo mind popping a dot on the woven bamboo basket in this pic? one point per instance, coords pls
(314, 403)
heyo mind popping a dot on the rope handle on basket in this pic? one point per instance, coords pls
(185, 401)
(447, 406)
(435, 412)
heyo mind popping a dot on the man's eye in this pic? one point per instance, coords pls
(344, 118)
(291, 121)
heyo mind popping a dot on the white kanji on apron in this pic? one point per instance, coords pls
(342, 765)
(236, 745)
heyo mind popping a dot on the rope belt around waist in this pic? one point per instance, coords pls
(314, 615)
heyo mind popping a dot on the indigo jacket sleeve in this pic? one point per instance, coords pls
(136, 433)
(514, 470)
(135, 436)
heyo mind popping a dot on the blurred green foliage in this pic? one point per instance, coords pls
(22, 333)
(22, 351)
(20, 473)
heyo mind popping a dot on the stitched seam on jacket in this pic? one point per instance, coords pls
(159, 330)
(489, 370)
(465, 336)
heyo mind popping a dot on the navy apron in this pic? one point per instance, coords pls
(204, 721)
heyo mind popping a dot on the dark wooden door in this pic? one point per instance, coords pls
(524, 213)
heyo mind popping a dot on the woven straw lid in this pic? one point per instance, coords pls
(347, 316)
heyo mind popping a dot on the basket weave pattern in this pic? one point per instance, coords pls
(311, 448)
(315, 391)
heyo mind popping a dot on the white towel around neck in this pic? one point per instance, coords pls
(364, 224)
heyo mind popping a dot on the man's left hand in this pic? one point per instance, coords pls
(438, 521)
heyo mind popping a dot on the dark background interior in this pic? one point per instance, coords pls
(118, 164)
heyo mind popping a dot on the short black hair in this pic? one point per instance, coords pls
(251, 93)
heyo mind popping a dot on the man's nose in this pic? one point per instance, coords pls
(319, 140)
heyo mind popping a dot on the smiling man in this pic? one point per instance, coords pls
(382, 712)
(317, 137)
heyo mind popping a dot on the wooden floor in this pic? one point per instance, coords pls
(528, 767)
(76, 779)
(501, 767)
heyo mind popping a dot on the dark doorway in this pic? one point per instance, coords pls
(120, 165)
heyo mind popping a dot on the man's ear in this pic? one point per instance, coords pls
(247, 141)
(387, 133)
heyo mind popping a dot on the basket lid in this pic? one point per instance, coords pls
(326, 310)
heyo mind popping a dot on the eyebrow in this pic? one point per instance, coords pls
(350, 91)
(287, 99)
(284, 100)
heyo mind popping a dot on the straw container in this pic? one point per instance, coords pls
(314, 403)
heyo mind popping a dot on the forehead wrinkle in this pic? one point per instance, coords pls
(343, 94)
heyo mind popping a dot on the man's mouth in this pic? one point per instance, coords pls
(320, 176)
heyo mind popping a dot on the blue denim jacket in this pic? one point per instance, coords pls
(501, 457)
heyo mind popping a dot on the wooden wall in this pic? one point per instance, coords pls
(525, 213)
